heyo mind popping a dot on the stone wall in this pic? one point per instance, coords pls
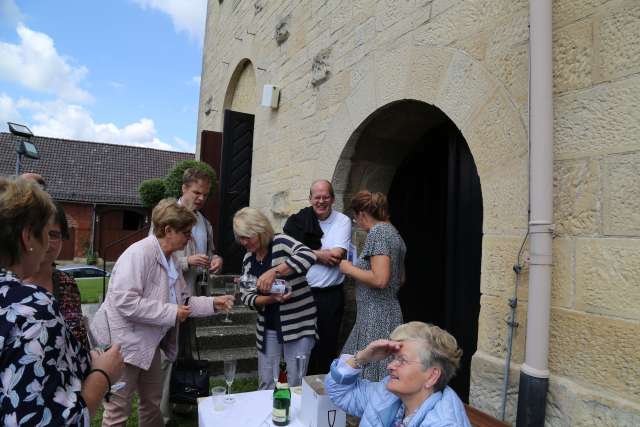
(339, 62)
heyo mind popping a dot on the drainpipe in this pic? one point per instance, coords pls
(534, 373)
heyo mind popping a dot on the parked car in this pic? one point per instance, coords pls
(83, 271)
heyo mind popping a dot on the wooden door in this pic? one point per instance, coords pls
(235, 183)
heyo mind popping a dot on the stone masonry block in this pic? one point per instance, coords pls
(493, 328)
(495, 134)
(617, 40)
(467, 87)
(607, 274)
(392, 69)
(573, 56)
(487, 379)
(460, 20)
(577, 205)
(596, 351)
(428, 71)
(569, 11)
(622, 194)
(599, 120)
(499, 254)
(562, 275)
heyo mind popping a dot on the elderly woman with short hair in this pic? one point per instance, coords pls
(285, 323)
(48, 378)
(415, 393)
(146, 301)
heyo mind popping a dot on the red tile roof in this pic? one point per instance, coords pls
(91, 172)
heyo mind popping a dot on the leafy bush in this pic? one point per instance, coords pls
(152, 191)
(173, 181)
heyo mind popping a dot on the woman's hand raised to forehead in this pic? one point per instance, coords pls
(378, 350)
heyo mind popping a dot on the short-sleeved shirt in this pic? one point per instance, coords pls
(336, 231)
(384, 239)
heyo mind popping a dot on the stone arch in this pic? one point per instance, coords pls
(241, 93)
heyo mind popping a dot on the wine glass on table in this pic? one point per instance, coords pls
(229, 377)
(230, 288)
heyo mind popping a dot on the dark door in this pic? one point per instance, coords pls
(436, 204)
(235, 182)
(211, 153)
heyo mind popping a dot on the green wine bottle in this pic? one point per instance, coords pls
(281, 398)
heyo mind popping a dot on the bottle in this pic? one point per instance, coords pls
(281, 398)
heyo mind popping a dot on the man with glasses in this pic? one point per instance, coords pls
(328, 233)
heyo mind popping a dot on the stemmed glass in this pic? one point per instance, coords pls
(229, 289)
(229, 376)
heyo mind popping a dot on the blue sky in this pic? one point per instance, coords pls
(118, 71)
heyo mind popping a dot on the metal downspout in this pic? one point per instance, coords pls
(534, 373)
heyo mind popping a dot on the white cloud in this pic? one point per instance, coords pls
(58, 119)
(8, 110)
(10, 14)
(36, 64)
(183, 145)
(188, 16)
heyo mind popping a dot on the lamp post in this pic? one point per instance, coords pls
(24, 147)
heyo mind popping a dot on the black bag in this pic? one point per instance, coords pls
(189, 376)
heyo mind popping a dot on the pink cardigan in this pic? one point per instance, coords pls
(137, 313)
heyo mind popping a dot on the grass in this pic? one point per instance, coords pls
(91, 289)
(185, 416)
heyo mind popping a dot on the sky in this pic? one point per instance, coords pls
(116, 71)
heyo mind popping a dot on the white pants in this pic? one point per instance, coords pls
(269, 361)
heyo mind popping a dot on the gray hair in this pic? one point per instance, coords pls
(249, 222)
(437, 347)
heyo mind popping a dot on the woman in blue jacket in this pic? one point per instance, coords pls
(415, 393)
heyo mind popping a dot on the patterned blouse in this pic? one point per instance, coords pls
(67, 293)
(42, 365)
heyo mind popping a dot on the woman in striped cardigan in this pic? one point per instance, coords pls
(285, 323)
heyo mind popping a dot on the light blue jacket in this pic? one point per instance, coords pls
(378, 407)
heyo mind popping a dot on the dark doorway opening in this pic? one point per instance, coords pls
(436, 204)
(235, 183)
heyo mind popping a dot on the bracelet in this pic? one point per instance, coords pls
(108, 393)
(358, 362)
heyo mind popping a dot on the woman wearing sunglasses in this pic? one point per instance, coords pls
(415, 393)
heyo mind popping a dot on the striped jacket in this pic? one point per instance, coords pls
(298, 314)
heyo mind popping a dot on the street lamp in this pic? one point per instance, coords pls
(24, 147)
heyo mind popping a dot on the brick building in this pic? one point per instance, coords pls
(97, 184)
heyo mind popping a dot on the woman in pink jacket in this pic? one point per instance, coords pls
(146, 301)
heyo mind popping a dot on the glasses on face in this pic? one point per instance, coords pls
(402, 361)
(55, 235)
(186, 233)
(321, 198)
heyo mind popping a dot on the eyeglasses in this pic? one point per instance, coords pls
(402, 361)
(321, 198)
(55, 235)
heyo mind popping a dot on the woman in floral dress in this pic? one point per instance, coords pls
(47, 378)
(379, 273)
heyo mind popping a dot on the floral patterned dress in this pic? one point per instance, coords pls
(67, 293)
(42, 365)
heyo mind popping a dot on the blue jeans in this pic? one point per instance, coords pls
(269, 361)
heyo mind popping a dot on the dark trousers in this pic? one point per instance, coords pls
(330, 304)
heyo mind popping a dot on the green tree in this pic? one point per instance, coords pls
(173, 181)
(152, 191)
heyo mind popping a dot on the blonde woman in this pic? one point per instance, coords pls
(146, 301)
(286, 324)
(424, 358)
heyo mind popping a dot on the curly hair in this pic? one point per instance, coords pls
(439, 348)
(23, 206)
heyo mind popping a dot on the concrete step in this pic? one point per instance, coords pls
(246, 357)
(241, 314)
(226, 336)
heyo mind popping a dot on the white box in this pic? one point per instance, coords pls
(270, 96)
(317, 410)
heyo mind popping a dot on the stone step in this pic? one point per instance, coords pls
(241, 314)
(226, 336)
(246, 357)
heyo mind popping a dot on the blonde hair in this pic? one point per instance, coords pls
(249, 222)
(374, 204)
(439, 348)
(169, 212)
(23, 205)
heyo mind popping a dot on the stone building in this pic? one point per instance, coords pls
(427, 100)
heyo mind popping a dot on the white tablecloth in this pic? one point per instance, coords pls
(252, 409)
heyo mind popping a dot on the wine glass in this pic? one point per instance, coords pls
(229, 289)
(229, 376)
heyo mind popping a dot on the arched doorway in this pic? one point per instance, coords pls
(413, 152)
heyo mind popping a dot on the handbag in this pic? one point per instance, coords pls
(189, 376)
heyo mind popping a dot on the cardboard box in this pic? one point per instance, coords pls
(317, 410)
